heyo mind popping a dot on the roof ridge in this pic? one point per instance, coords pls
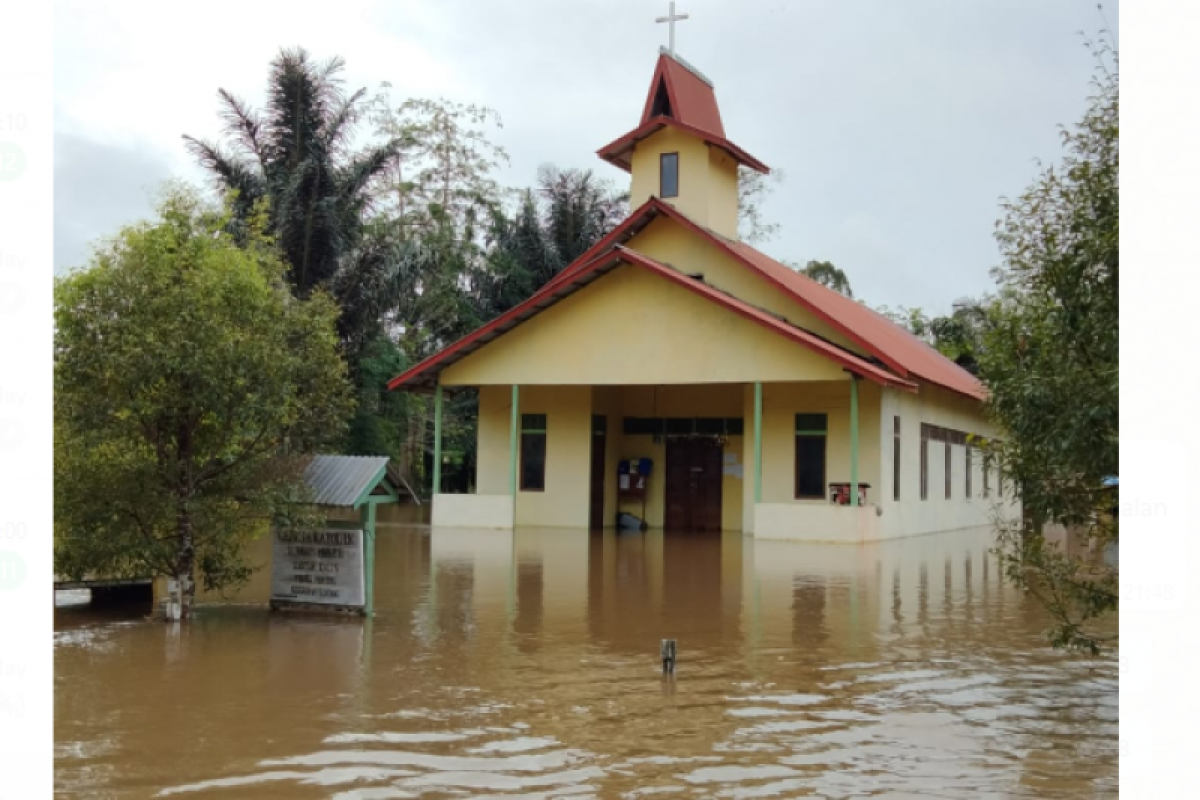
(678, 59)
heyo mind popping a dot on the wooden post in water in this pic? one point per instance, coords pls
(667, 651)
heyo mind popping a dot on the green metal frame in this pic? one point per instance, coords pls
(758, 411)
(514, 425)
(437, 441)
(853, 440)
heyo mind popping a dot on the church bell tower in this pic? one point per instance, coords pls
(678, 152)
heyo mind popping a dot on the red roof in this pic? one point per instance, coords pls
(619, 152)
(900, 350)
(691, 96)
(688, 103)
(425, 373)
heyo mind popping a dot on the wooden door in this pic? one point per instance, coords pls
(599, 437)
(693, 485)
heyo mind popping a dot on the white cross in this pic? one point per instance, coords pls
(670, 19)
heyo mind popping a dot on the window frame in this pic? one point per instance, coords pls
(662, 166)
(532, 434)
(896, 457)
(924, 462)
(949, 470)
(809, 434)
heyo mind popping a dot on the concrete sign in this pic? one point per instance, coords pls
(322, 567)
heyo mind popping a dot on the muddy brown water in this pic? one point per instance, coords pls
(526, 665)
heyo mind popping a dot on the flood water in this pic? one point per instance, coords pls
(526, 665)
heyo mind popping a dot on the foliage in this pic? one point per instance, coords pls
(380, 415)
(1050, 361)
(188, 382)
(958, 335)
(826, 274)
(753, 190)
(297, 153)
(579, 211)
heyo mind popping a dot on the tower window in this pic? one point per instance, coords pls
(669, 175)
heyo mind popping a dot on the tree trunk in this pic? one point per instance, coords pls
(185, 592)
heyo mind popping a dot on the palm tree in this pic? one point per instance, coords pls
(296, 154)
(580, 210)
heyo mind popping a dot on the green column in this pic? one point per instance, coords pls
(437, 440)
(369, 558)
(758, 403)
(853, 439)
(512, 447)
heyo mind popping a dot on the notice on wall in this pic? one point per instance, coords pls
(322, 567)
(731, 466)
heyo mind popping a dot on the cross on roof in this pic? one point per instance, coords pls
(671, 19)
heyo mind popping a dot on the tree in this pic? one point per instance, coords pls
(188, 383)
(753, 190)
(580, 210)
(1050, 362)
(297, 152)
(826, 274)
(959, 335)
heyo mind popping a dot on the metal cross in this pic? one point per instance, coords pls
(670, 19)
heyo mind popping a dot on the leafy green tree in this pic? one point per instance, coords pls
(188, 384)
(826, 274)
(444, 173)
(297, 152)
(1050, 361)
(958, 335)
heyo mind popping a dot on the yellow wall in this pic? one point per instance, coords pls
(707, 179)
(634, 327)
(723, 193)
(781, 403)
(568, 410)
(912, 515)
(668, 241)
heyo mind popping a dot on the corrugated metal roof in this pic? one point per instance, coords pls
(693, 110)
(341, 480)
(904, 353)
(693, 100)
(554, 291)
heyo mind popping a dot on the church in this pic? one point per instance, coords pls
(676, 375)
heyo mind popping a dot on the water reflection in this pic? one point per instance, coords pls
(526, 665)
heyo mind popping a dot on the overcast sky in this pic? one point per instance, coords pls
(898, 125)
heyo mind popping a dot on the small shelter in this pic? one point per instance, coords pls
(333, 568)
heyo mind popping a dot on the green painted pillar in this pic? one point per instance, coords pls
(515, 427)
(853, 439)
(437, 440)
(758, 411)
(369, 558)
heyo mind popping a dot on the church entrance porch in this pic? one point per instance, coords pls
(689, 457)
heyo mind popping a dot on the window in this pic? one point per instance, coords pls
(810, 455)
(683, 426)
(533, 452)
(949, 470)
(968, 493)
(987, 474)
(669, 175)
(924, 462)
(895, 458)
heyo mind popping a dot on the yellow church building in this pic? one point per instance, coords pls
(677, 374)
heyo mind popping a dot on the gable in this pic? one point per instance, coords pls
(634, 327)
(668, 241)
